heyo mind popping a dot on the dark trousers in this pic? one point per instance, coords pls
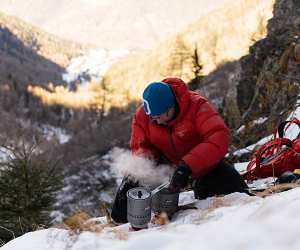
(222, 180)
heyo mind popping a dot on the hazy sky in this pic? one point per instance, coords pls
(111, 23)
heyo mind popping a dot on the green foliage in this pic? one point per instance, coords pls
(28, 184)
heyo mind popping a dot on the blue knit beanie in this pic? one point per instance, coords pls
(158, 98)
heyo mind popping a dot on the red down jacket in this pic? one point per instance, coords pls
(198, 135)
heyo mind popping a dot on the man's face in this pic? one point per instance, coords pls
(164, 118)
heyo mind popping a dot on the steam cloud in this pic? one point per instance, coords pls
(143, 170)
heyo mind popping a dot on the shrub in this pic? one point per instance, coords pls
(29, 181)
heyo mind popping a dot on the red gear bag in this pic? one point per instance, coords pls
(278, 155)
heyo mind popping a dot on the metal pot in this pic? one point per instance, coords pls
(165, 201)
(139, 207)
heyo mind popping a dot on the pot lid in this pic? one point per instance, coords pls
(138, 193)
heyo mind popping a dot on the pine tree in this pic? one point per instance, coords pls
(29, 181)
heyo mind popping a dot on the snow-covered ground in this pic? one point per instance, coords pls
(233, 222)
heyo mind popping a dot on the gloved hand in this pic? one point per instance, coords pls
(180, 177)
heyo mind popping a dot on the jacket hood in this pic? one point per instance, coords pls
(182, 95)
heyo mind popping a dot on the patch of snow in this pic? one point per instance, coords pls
(92, 65)
(50, 132)
(240, 129)
(262, 183)
(104, 196)
(241, 166)
(296, 112)
(234, 222)
(5, 154)
(251, 147)
(57, 216)
(260, 120)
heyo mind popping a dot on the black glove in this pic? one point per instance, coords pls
(180, 177)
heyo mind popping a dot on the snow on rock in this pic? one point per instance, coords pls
(92, 65)
(296, 112)
(53, 132)
(260, 120)
(234, 222)
(251, 147)
(261, 184)
(241, 166)
(4, 154)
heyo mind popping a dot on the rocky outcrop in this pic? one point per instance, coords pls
(269, 77)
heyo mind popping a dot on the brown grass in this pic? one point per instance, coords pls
(60, 95)
(120, 234)
(94, 95)
(81, 222)
(160, 219)
(278, 188)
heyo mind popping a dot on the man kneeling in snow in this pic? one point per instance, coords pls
(181, 126)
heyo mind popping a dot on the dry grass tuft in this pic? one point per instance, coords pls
(160, 219)
(216, 203)
(77, 220)
(81, 222)
(120, 234)
(278, 188)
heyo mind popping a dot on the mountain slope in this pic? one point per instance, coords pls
(29, 55)
(222, 36)
(57, 50)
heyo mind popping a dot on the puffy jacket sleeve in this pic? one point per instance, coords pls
(139, 142)
(214, 141)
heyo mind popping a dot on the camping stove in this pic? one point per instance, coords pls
(165, 201)
(139, 207)
(140, 202)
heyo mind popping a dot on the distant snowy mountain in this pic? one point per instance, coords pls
(111, 23)
(234, 222)
(92, 65)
